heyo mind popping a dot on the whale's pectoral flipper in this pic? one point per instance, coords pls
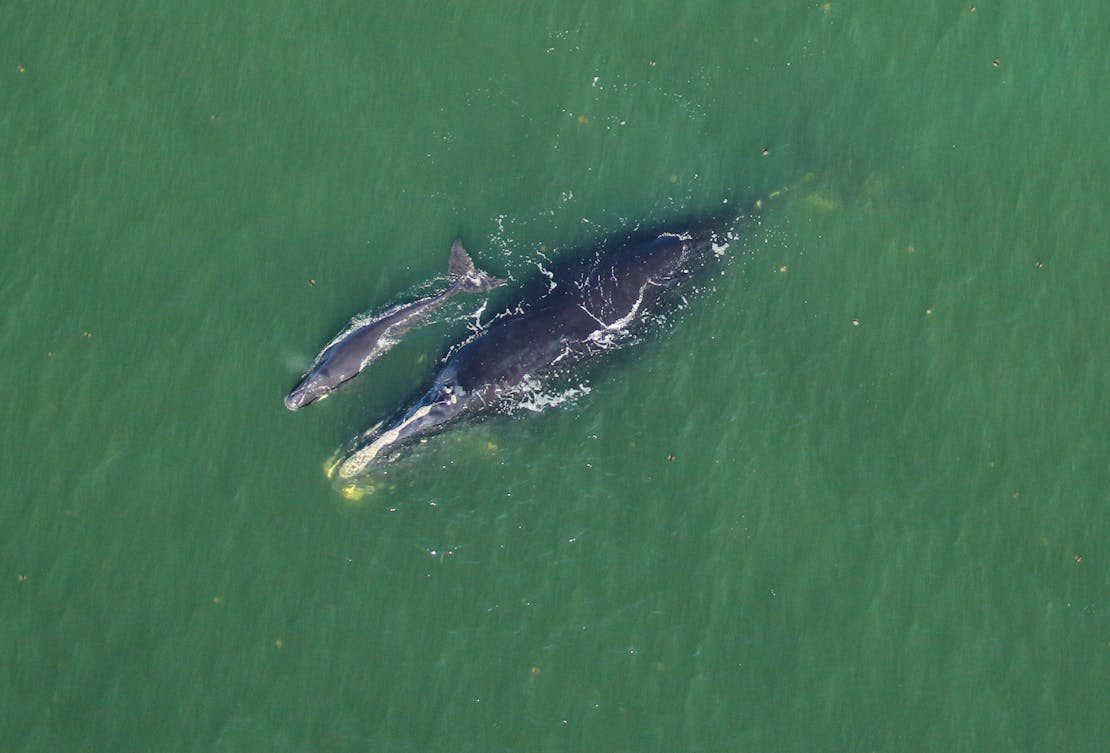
(467, 277)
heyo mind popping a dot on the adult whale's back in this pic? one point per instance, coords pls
(587, 307)
(593, 306)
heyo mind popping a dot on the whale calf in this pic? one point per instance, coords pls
(362, 342)
(590, 306)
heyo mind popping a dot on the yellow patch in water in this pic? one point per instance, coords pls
(353, 492)
(821, 202)
(332, 463)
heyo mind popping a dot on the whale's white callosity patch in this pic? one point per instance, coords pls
(357, 462)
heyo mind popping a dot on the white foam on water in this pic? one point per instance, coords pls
(536, 398)
(549, 275)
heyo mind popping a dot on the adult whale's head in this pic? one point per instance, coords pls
(445, 402)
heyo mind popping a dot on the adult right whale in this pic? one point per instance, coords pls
(590, 306)
(364, 341)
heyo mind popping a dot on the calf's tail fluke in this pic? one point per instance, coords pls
(467, 277)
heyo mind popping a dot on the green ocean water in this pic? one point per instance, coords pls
(855, 500)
